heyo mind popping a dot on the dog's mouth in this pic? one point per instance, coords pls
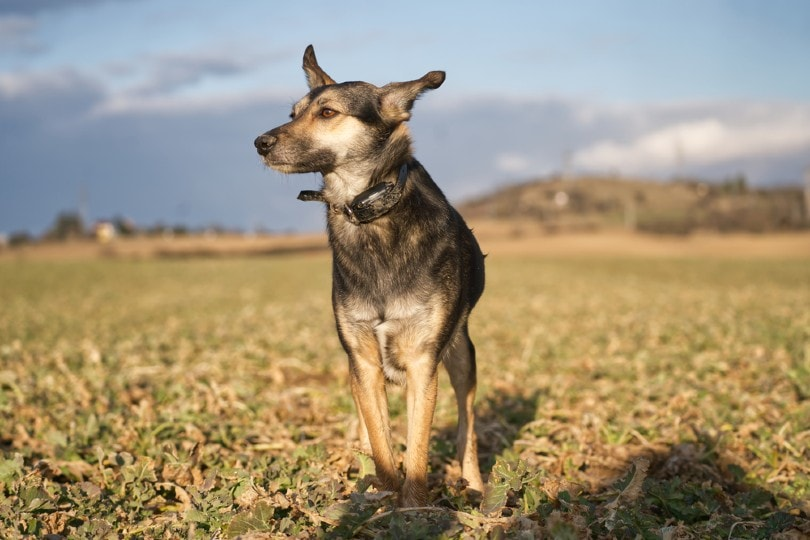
(275, 162)
(286, 168)
(292, 157)
(282, 165)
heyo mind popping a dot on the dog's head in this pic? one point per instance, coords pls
(340, 125)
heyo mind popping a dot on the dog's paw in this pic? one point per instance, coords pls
(413, 494)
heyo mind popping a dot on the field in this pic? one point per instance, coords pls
(621, 394)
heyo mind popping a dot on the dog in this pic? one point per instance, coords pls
(406, 269)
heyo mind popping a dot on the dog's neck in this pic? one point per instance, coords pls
(364, 194)
(369, 205)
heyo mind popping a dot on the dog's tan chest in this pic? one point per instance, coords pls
(403, 329)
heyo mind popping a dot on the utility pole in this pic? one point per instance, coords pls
(807, 196)
(630, 212)
(680, 159)
(567, 160)
(83, 208)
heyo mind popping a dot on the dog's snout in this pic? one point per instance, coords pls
(264, 143)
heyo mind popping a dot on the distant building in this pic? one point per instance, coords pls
(104, 232)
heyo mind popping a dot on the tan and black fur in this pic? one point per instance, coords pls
(405, 282)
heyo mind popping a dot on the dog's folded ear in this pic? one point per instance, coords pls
(315, 75)
(396, 99)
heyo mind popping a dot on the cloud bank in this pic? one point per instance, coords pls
(152, 151)
(753, 131)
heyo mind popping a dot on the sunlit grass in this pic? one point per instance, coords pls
(202, 397)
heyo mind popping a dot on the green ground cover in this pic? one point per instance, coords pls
(209, 398)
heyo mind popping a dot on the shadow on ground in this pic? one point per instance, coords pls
(499, 419)
(657, 489)
(690, 488)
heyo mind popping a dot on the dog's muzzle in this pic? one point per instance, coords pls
(264, 143)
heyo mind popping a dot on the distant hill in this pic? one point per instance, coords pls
(677, 207)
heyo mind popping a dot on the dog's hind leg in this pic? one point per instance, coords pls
(460, 363)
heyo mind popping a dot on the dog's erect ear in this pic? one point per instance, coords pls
(315, 75)
(397, 99)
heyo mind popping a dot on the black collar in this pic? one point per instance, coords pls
(371, 204)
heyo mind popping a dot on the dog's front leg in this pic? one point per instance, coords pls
(368, 390)
(368, 386)
(422, 383)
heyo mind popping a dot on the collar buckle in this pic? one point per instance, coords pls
(371, 204)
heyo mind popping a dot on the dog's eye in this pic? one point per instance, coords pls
(328, 113)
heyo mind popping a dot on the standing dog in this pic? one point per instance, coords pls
(406, 270)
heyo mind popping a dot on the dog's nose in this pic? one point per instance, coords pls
(264, 143)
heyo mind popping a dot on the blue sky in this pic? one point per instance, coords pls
(607, 50)
(147, 108)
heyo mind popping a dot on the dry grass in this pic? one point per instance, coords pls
(497, 237)
(515, 237)
(619, 396)
(148, 247)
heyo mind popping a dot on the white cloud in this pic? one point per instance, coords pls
(172, 71)
(187, 81)
(32, 85)
(175, 104)
(513, 163)
(164, 84)
(14, 85)
(756, 131)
